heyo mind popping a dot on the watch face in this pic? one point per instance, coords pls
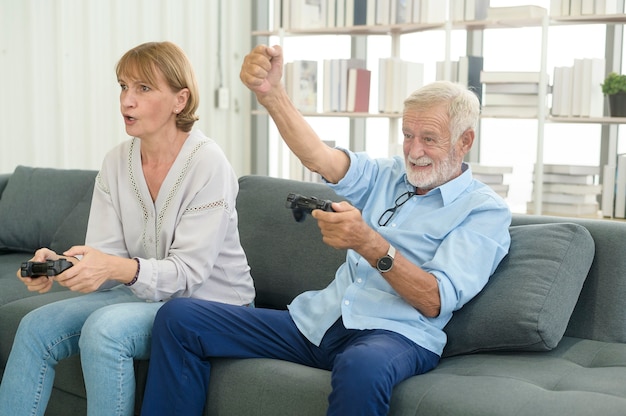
(385, 263)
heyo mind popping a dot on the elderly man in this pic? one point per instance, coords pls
(422, 236)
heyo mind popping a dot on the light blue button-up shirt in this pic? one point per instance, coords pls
(459, 232)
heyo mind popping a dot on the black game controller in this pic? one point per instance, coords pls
(44, 268)
(301, 205)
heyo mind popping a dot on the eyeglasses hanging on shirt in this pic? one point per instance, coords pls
(390, 212)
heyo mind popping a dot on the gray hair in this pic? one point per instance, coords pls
(463, 104)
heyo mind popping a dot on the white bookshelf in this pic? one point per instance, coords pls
(395, 32)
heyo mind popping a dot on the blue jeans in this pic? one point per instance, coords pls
(109, 328)
(365, 364)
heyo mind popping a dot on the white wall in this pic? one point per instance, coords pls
(59, 104)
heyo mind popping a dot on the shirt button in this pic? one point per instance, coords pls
(346, 302)
(393, 225)
(359, 280)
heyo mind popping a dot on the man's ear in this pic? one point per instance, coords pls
(467, 140)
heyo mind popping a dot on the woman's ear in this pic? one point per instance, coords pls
(182, 96)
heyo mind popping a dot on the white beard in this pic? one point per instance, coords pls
(438, 175)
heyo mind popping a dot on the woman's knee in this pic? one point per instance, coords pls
(117, 326)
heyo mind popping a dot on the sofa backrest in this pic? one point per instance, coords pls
(286, 257)
(600, 313)
(44, 207)
(275, 244)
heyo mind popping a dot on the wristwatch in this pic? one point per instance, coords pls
(385, 263)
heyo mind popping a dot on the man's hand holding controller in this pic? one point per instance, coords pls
(301, 205)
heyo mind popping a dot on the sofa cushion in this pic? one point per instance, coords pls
(57, 203)
(527, 303)
(286, 257)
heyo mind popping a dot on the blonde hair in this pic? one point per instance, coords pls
(143, 62)
(463, 104)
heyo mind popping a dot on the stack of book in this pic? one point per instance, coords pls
(493, 176)
(563, 8)
(577, 90)
(397, 80)
(569, 190)
(337, 81)
(466, 71)
(516, 12)
(614, 188)
(463, 10)
(301, 84)
(315, 14)
(512, 94)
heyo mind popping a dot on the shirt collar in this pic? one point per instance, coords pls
(450, 190)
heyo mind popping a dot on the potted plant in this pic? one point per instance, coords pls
(614, 87)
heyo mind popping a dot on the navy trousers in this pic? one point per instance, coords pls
(365, 364)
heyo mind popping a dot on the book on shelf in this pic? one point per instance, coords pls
(558, 7)
(610, 7)
(397, 79)
(383, 10)
(509, 76)
(577, 90)
(327, 87)
(489, 178)
(511, 88)
(592, 98)
(589, 209)
(359, 80)
(492, 176)
(620, 187)
(525, 100)
(575, 7)
(475, 9)
(344, 66)
(340, 13)
(562, 91)
(490, 169)
(501, 189)
(571, 169)
(401, 11)
(587, 7)
(465, 71)
(335, 88)
(307, 14)
(370, 20)
(432, 11)
(515, 12)
(561, 198)
(577, 81)
(457, 10)
(512, 111)
(277, 14)
(569, 178)
(440, 71)
(607, 204)
(359, 12)
(568, 188)
(301, 84)
(468, 74)
(416, 11)
(331, 14)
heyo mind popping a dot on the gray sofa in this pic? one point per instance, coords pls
(546, 336)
